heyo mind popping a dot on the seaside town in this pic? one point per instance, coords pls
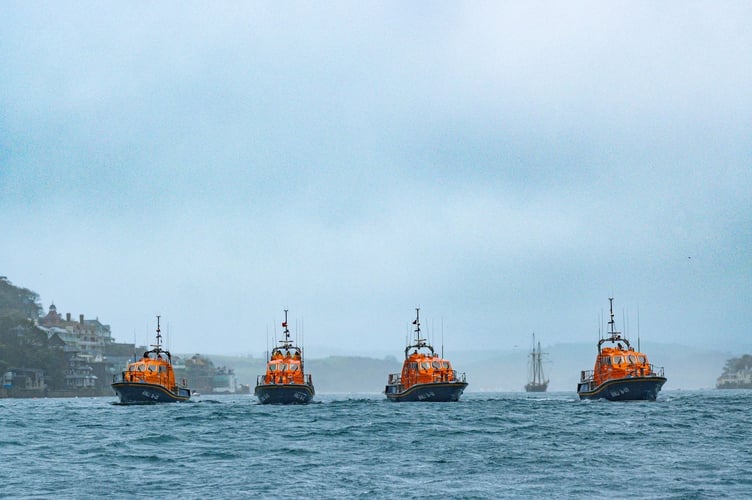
(60, 354)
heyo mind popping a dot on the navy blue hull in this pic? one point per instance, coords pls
(438, 392)
(287, 394)
(624, 389)
(141, 393)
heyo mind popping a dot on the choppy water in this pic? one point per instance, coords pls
(685, 445)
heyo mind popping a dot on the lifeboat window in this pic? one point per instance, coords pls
(140, 368)
(436, 365)
(425, 365)
(632, 359)
(642, 358)
(162, 369)
(446, 365)
(293, 367)
(618, 360)
(283, 367)
(272, 368)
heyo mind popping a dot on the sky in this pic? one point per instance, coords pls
(505, 166)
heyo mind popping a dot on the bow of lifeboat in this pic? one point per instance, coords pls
(150, 379)
(285, 381)
(620, 372)
(425, 376)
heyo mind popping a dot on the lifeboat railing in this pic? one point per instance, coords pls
(453, 377)
(261, 380)
(652, 371)
(127, 376)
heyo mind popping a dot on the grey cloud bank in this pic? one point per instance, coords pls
(505, 167)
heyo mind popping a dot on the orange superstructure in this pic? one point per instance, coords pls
(620, 372)
(620, 362)
(425, 376)
(150, 371)
(422, 368)
(285, 368)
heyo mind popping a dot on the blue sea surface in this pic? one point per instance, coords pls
(688, 444)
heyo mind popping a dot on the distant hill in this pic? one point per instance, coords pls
(330, 374)
(506, 371)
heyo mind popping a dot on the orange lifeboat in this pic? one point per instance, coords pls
(425, 376)
(151, 379)
(620, 373)
(285, 381)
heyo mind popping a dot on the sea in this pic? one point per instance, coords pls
(687, 444)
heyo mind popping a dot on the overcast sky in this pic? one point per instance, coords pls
(506, 166)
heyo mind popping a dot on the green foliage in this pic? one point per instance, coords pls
(734, 365)
(22, 344)
(19, 303)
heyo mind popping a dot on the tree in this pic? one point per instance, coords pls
(18, 302)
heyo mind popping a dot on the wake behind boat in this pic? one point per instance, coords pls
(425, 376)
(150, 379)
(620, 372)
(285, 381)
(537, 382)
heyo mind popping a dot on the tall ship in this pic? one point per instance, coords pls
(150, 379)
(536, 381)
(285, 381)
(425, 376)
(620, 373)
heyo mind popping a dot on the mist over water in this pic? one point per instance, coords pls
(686, 444)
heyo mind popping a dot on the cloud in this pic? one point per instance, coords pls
(504, 166)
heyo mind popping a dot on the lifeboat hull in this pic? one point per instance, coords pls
(144, 393)
(624, 389)
(284, 394)
(436, 392)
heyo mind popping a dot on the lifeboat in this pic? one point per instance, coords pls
(151, 379)
(285, 381)
(425, 376)
(620, 373)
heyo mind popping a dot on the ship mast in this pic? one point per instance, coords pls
(419, 342)
(614, 336)
(158, 345)
(286, 343)
(417, 325)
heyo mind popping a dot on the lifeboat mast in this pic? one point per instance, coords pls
(614, 335)
(419, 342)
(286, 343)
(158, 346)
